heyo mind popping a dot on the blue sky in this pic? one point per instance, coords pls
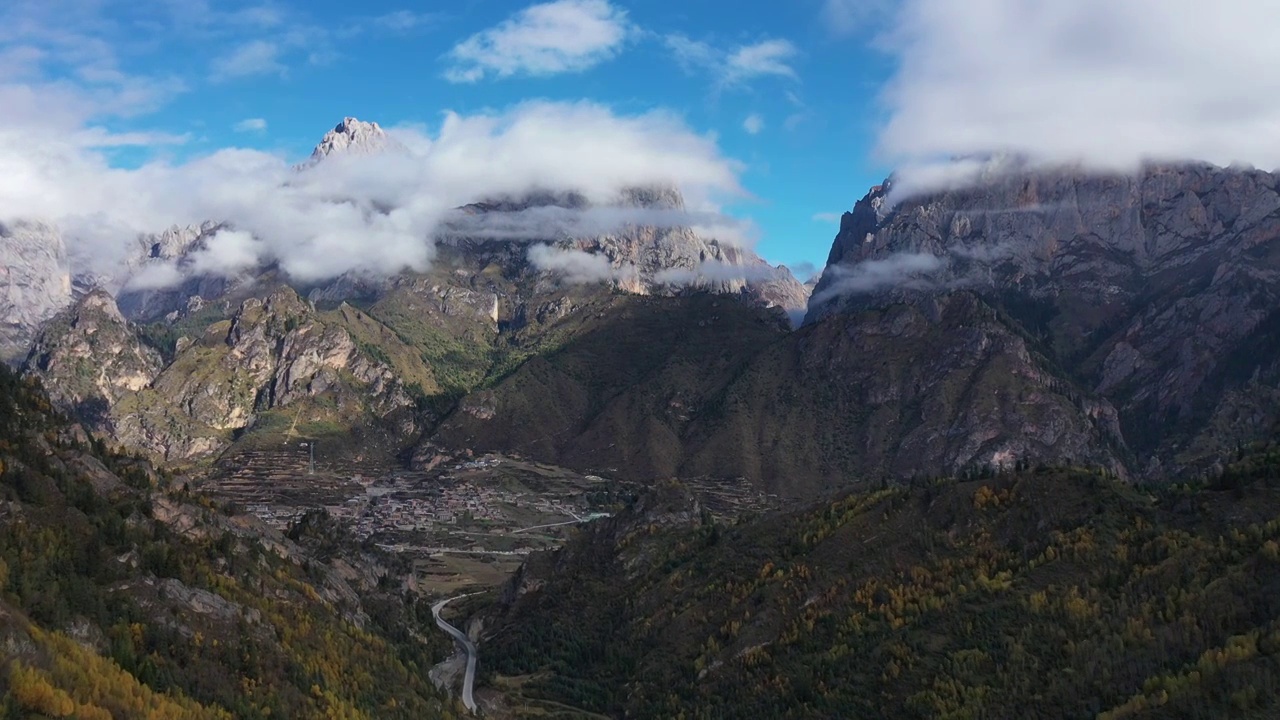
(275, 76)
(123, 116)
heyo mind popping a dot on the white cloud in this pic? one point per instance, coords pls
(716, 271)
(372, 214)
(575, 266)
(551, 38)
(227, 253)
(826, 217)
(903, 270)
(737, 66)
(804, 271)
(692, 55)
(97, 137)
(753, 124)
(551, 222)
(256, 57)
(260, 16)
(251, 125)
(1104, 83)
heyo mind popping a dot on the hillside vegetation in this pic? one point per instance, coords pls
(1050, 593)
(122, 597)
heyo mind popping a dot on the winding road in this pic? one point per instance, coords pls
(469, 679)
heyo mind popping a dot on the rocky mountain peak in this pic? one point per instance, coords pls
(89, 357)
(173, 242)
(99, 303)
(353, 137)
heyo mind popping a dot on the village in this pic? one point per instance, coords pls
(463, 521)
(484, 504)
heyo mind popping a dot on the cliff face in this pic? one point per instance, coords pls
(274, 356)
(35, 283)
(90, 359)
(1124, 322)
(1159, 292)
(652, 254)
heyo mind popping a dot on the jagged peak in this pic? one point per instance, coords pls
(353, 136)
(98, 302)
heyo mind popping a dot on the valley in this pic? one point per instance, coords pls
(464, 522)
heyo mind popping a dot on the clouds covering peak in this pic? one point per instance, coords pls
(375, 212)
(1103, 83)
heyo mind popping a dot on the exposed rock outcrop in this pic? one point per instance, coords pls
(354, 137)
(90, 359)
(1160, 291)
(274, 353)
(35, 283)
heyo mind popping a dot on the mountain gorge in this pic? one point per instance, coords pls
(1023, 429)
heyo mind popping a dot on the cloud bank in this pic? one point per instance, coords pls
(574, 266)
(1108, 84)
(373, 214)
(903, 270)
(715, 271)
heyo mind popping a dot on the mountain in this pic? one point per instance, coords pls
(276, 366)
(354, 137)
(156, 279)
(709, 387)
(35, 283)
(1124, 322)
(1054, 593)
(122, 594)
(1158, 292)
(1036, 316)
(507, 283)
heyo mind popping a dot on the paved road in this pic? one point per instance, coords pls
(575, 521)
(468, 680)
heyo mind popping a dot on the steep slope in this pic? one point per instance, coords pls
(899, 391)
(354, 137)
(714, 388)
(35, 283)
(91, 359)
(622, 390)
(1046, 594)
(122, 596)
(1158, 291)
(276, 368)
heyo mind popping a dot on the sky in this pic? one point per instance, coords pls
(773, 117)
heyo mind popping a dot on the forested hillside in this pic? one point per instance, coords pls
(124, 597)
(1049, 593)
